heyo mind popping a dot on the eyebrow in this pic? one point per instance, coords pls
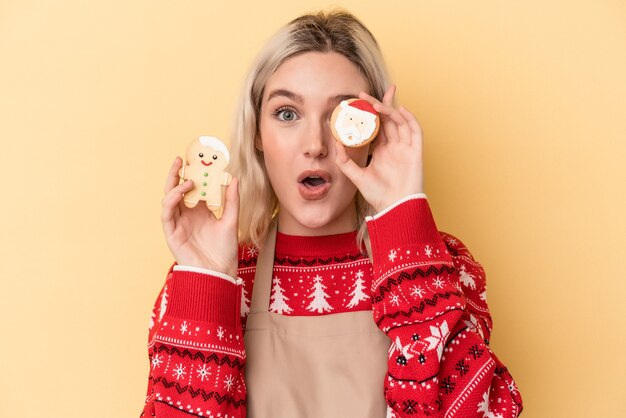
(335, 100)
(286, 93)
(340, 98)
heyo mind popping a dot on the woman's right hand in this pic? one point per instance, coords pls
(194, 235)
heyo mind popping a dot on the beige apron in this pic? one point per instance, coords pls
(311, 366)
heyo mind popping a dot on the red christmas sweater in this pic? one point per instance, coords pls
(425, 291)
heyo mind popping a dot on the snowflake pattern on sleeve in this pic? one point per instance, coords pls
(429, 298)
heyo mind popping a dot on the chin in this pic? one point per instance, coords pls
(319, 222)
(316, 222)
(312, 222)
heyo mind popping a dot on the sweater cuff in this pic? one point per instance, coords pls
(204, 297)
(395, 204)
(201, 270)
(407, 223)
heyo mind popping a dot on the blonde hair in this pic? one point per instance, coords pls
(333, 31)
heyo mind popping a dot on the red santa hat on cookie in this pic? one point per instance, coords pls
(364, 105)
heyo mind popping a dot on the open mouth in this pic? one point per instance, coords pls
(314, 184)
(313, 181)
(314, 178)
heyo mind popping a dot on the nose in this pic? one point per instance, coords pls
(317, 140)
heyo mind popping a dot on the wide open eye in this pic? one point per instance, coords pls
(286, 114)
(215, 157)
(201, 155)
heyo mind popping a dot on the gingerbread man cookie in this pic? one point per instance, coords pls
(355, 122)
(205, 164)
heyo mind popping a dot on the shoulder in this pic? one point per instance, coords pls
(462, 258)
(470, 273)
(455, 246)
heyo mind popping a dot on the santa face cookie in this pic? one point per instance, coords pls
(355, 122)
(205, 164)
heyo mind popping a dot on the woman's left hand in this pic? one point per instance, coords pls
(395, 170)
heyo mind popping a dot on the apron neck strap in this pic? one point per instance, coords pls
(264, 271)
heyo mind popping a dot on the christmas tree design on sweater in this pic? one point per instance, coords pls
(424, 289)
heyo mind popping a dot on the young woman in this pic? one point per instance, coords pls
(338, 296)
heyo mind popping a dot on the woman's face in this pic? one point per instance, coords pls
(298, 146)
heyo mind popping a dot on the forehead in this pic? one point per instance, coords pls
(316, 75)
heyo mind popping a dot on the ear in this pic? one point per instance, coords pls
(258, 144)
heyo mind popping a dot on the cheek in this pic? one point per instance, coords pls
(274, 156)
(273, 152)
(280, 144)
(266, 141)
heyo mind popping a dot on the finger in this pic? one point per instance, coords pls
(392, 132)
(368, 97)
(402, 119)
(172, 177)
(388, 124)
(387, 129)
(231, 203)
(416, 129)
(403, 130)
(170, 202)
(349, 168)
(412, 122)
(389, 95)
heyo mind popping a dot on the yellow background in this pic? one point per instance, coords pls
(522, 105)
